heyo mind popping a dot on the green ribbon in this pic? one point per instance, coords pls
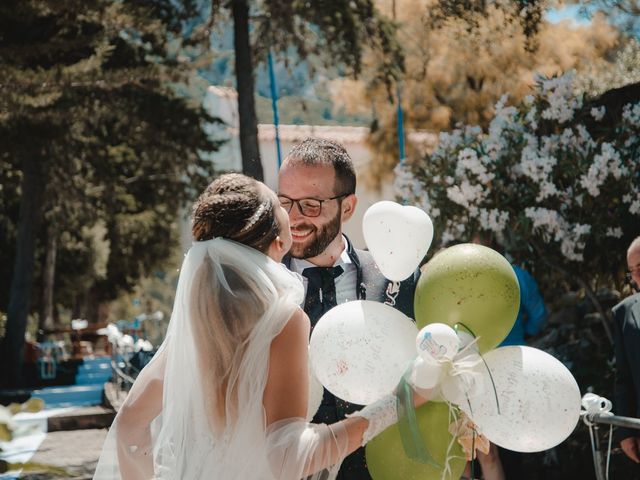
(412, 440)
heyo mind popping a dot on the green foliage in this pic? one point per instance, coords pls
(94, 91)
(339, 32)
(154, 293)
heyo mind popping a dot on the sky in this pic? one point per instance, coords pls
(568, 12)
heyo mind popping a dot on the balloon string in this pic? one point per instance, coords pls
(446, 471)
(493, 383)
(455, 327)
(473, 454)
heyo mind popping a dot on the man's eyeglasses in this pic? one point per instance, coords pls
(309, 207)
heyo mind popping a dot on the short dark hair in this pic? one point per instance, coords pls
(318, 151)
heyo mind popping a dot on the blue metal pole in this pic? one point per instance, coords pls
(274, 105)
(400, 126)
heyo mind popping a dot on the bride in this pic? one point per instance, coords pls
(225, 397)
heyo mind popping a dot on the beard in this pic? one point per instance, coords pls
(324, 235)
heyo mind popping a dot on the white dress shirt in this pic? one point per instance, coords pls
(345, 282)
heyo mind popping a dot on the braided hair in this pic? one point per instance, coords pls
(234, 207)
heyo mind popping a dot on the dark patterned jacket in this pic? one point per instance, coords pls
(627, 349)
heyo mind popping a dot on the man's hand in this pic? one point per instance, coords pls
(630, 448)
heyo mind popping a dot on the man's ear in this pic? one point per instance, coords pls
(349, 206)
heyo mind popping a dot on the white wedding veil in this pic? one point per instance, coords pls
(196, 410)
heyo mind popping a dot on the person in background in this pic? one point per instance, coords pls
(626, 315)
(532, 315)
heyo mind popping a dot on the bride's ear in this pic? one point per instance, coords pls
(277, 249)
(279, 244)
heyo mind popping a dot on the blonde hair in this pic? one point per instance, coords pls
(222, 322)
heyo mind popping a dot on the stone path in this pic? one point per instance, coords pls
(77, 451)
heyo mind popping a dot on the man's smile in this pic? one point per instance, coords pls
(301, 233)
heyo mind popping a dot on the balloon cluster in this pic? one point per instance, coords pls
(466, 302)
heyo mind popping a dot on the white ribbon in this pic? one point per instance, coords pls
(462, 378)
(593, 403)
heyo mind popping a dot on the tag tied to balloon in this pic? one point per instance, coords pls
(436, 345)
(447, 361)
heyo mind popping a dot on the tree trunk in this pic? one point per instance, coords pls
(249, 148)
(12, 346)
(45, 322)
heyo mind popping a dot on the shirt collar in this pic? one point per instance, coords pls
(299, 264)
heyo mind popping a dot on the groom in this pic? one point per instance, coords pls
(317, 185)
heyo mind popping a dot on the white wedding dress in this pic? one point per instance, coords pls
(165, 429)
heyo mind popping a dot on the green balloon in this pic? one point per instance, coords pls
(471, 286)
(386, 458)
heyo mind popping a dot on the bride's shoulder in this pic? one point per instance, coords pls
(299, 323)
(296, 329)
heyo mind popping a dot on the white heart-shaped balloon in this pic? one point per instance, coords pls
(398, 237)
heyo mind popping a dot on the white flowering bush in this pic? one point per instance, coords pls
(537, 180)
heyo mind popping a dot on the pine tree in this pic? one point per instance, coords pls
(93, 131)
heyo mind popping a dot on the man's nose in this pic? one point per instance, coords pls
(295, 211)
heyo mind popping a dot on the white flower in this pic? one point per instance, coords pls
(553, 226)
(546, 189)
(584, 143)
(447, 237)
(531, 118)
(494, 219)
(567, 139)
(614, 232)
(598, 113)
(448, 142)
(634, 208)
(562, 100)
(466, 194)
(537, 166)
(468, 162)
(607, 162)
(503, 123)
(631, 114)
